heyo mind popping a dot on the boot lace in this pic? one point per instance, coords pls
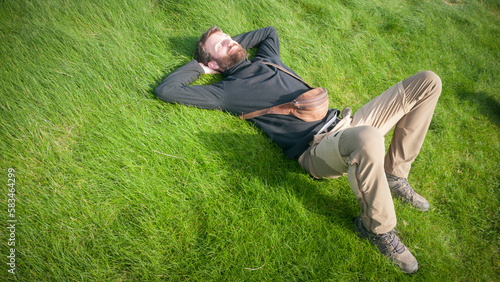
(390, 243)
(405, 188)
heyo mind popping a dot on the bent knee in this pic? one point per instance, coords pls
(370, 138)
(434, 79)
(362, 138)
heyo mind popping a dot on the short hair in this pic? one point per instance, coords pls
(201, 54)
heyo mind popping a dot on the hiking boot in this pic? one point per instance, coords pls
(390, 246)
(400, 188)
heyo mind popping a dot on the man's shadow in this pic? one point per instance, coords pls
(489, 105)
(255, 156)
(178, 47)
(184, 45)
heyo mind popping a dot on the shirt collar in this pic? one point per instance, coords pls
(236, 67)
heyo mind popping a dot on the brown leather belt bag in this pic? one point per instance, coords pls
(309, 106)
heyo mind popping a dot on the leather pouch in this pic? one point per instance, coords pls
(309, 106)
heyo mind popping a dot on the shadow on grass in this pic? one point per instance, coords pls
(182, 45)
(177, 46)
(489, 105)
(253, 156)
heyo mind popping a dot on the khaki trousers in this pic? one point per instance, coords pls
(356, 146)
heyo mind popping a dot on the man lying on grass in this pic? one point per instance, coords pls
(353, 145)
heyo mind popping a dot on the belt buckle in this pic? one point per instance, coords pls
(327, 124)
(330, 125)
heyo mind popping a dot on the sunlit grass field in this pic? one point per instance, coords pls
(113, 184)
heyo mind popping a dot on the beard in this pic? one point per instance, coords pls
(232, 59)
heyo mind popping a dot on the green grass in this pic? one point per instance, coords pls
(113, 184)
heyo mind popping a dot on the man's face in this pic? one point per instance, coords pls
(224, 50)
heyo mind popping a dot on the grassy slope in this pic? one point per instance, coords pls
(113, 183)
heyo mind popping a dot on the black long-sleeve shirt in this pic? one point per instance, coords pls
(249, 86)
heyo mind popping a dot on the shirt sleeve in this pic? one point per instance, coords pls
(266, 39)
(175, 88)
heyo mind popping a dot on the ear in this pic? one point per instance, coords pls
(213, 65)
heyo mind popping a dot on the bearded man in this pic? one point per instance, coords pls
(326, 148)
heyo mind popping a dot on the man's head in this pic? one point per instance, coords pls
(218, 50)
